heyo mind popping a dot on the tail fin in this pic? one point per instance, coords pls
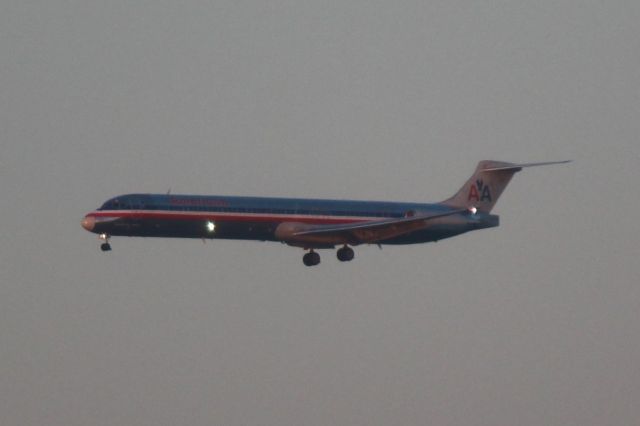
(486, 184)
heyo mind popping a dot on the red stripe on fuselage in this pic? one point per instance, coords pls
(229, 217)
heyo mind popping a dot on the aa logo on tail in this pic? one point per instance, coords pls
(479, 191)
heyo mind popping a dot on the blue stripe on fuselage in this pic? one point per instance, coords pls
(298, 206)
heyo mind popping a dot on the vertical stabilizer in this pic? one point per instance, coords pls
(486, 184)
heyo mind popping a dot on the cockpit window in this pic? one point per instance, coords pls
(113, 204)
(127, 202)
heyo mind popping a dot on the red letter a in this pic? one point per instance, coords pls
(473, 193)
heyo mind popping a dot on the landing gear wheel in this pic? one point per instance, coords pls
(311, 259)
(345, 254)
(105, 246)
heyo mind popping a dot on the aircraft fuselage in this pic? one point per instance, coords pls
(258, 218)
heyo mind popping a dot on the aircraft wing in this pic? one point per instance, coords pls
(371, 231)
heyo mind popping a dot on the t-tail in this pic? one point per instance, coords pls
(485, 186)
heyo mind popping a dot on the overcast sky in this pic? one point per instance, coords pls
(536, 322)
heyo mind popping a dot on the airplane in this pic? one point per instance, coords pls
(310, 224)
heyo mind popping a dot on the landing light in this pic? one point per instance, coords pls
(473, 210)
(211, 226)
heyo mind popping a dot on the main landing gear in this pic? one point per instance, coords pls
(105, 246)
(344, 254)
(311, 259)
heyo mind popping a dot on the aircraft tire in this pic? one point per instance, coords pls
(105, 247)
(311, 259)
(345, 254)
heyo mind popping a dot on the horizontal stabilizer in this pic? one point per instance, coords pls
(517, 167)
(484, 187)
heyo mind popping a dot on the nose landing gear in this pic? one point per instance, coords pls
(105, 246)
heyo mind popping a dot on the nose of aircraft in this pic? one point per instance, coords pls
(88, 223)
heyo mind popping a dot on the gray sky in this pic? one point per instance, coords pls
(535, 322)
